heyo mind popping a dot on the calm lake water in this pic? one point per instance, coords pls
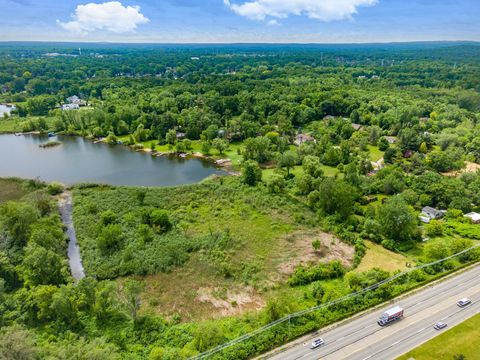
(79, 160)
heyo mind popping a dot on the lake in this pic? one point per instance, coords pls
(80, 160)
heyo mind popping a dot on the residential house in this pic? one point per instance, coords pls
(475, 217)
(302, 138)
(357, 127)
(76, 101)
(73, 103)
(429, 213)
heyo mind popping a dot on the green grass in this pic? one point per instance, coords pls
(11, 189)
(375, 153)
(254, 223)
(10, 125)
(16, 124)
(461, 339)
(379, 257)
(231, 153)
(297, 170)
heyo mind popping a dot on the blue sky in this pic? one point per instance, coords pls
(303, 21)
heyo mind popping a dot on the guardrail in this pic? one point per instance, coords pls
(264, 328)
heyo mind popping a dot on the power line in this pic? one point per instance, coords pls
(264, 328)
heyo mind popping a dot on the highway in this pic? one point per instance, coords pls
(362, 338)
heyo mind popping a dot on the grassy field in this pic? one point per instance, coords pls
(379, 257)
(462, 339)
(10, 125)
(11, 189)
(231, 245)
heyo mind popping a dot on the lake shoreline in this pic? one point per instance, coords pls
(220, 163)
(104, 165)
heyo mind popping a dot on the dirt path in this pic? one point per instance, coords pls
(74, 259)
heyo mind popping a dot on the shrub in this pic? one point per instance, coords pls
(55, 188)
(160, 220)
(251, 173)
(108, 217)
(110, 237)
(304, 276)
(434, 228)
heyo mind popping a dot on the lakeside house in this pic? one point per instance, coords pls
(474, 216)
(73, 103)
(302, 138)
(429, 213)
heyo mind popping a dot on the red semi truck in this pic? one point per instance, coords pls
(390, 315)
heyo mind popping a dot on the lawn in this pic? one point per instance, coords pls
(297, 170)
(375, 153)
(462, 339)
(379, 257)
(231, 153)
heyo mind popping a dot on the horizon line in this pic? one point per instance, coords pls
(239, 43)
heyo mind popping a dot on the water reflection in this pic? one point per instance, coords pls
(79, 160)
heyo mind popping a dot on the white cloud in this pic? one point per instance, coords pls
(110, 16)
(324, 10)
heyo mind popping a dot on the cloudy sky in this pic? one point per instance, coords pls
(206, 21)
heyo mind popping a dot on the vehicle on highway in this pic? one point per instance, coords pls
(390, 315)
(439, 325)
(464, 302)
(316, 343)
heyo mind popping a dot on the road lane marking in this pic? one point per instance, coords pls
(376, 341)
(430, 291)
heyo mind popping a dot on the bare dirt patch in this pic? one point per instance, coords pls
(195, 292)
(299, 251)
(470, 167)
(230, 301)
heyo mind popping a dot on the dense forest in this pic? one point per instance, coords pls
(335, 150)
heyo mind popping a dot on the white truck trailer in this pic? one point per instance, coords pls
(390, 315)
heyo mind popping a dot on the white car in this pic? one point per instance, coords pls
(439, 326)
(316, 343)
(464, 302)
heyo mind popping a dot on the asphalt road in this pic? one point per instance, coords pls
(363, 338)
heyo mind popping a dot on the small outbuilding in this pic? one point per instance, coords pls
(431, 213)
(475, 217)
